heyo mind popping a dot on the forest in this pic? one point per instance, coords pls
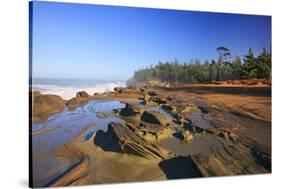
(225, 67)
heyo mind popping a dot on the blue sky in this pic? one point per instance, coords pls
(107, 42)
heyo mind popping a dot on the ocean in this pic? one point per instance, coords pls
(67, 88)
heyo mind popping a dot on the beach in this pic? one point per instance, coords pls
(150, 133)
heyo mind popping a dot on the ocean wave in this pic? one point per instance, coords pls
(68, 92)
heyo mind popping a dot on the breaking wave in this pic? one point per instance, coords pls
(67, 92)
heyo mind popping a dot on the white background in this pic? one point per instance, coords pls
(14, 91)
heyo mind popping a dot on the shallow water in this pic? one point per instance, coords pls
(202, 143)
(60, 129)
(201, 120)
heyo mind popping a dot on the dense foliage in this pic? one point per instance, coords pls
(224, 68)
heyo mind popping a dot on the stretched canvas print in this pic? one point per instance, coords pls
(126, 94)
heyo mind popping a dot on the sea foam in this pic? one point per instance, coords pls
(67, 92)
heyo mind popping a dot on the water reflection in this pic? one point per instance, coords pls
(59, 129)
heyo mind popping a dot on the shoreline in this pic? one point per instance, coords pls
(223, 96)
(168, 129)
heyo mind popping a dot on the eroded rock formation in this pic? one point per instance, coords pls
(45, 105)
(81, 98)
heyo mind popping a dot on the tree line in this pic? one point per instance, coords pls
(224, 68)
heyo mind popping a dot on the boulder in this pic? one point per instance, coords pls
(81, 98)
(82, 94)
(45, 105)
(76, 102)
(117, 89)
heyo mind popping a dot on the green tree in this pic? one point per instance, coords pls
(236, 67)
(224, 56)
(176, 73)
(263, 65)
(250, 66)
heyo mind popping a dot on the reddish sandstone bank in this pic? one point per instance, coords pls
(254, 100)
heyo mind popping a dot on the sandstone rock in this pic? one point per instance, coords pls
(158, 100)
(232, 159)
(82, 94)
(36, 93)
(233, 137)
(133, 87)
(189, 108)
(45, 105)
(81, 98)
(146, 100)
(152, 93)
(69, 150)
(169, 98)
(143, 89)
(124, 138)
(131, 110)
(75, 176)
(76, 102)
(169, 108)
(185, 135)
(124, 90)
(155, 118)
(210, 165)
(118, 89)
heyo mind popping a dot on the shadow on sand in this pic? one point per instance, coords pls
(53, 180)
(261, 158)
(179, 167)
(106, 142)
(243, 91)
